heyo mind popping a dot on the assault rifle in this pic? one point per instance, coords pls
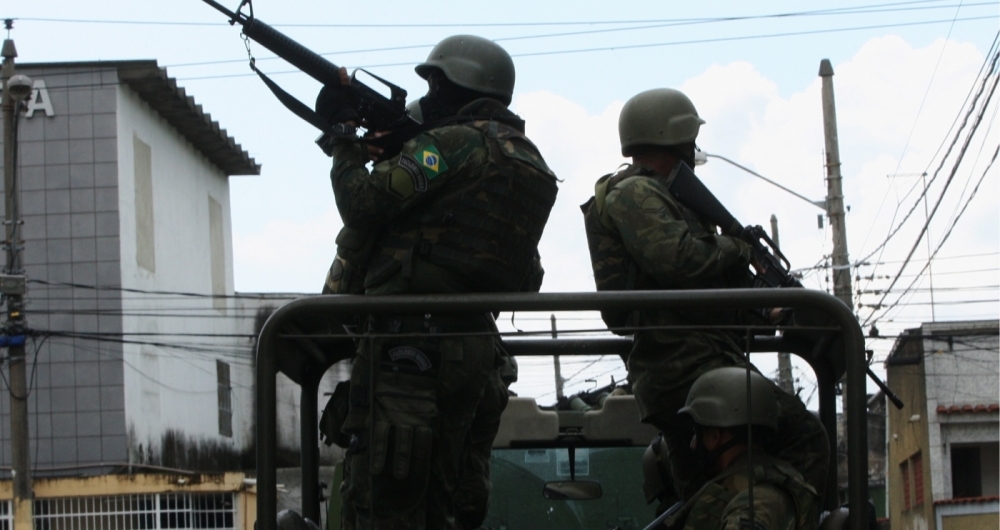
(377, 112)
(774, 266)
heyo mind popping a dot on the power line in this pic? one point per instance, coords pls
(954, 223)
(862, 9)
(951, 176)
(916, 120)
(971, 107)
(637, 46)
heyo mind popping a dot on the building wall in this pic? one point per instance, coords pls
(183, 244)
(907, 433)
(68, 177)
(948, 374)
(962, 369)
(98, 395)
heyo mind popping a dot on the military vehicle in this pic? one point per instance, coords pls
(563, 468)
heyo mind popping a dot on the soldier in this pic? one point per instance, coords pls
(774, 496)
(460, 209)
(640, 237)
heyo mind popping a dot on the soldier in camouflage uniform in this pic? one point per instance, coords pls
(780, 497)
(460, 209)
(641, 237)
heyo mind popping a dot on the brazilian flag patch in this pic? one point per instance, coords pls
(431, 161)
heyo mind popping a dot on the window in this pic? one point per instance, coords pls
(916, 462)
(974, 470)
(225, 399)
(145, 242)
(217, 253)
(904, 470)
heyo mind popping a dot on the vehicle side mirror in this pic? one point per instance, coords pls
(572, 490)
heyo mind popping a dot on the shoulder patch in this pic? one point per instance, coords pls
(431, 161)
(406, 178)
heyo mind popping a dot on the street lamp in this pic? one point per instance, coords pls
(19, 87)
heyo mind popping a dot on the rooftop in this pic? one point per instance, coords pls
(155, 87)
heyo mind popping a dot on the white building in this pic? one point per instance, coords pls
(124, 185)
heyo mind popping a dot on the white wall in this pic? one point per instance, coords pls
(965, 372)
(183, 181)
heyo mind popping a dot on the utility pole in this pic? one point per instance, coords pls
(15, 89)
(834, 191)
(784, 358)
(835, 206)
(555, 363)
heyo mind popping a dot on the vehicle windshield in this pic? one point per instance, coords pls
(522, 473)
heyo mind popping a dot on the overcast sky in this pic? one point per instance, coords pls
(904, 72)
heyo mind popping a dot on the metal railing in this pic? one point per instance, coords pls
(300, 341)
(152, 511)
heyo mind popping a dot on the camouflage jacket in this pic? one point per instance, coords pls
(670, 248)
(781, 499)
(460, 209)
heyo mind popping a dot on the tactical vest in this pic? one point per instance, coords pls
(484, 227)
(711, 500)
(614, 268)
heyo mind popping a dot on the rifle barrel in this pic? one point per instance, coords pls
(285, 47)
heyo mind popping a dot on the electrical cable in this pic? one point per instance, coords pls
(916, 120)
(861, 9)
(951, 176)
(950, 228)
(638, 46)
(984, 73)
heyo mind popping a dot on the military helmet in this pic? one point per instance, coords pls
(415, 111)
(661, 116)
(719, 399)
(473, 62)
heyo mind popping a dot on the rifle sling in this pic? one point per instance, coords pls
(291, 103)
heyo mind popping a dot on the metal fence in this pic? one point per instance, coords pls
(152, 511)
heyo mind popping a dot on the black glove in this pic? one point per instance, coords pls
(337, 104)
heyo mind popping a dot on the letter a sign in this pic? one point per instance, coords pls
(40, 100)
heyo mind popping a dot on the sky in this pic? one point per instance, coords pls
(905, 72)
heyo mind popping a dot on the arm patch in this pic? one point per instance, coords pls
(406, 178)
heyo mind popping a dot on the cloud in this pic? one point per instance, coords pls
(287, 256)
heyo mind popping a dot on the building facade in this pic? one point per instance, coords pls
(140, 355)
(943, 467)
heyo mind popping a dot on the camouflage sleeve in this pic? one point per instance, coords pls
(656, 235)
(773, 510)
(426, 163)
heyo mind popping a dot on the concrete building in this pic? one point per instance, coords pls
(943, 467)
(125, 203)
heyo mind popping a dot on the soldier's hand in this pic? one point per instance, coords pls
(375, 152)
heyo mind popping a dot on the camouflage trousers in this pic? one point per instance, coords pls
(472, 500)
(801, 441)
(411, 418)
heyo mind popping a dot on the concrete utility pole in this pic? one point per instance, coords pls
(15, 89)
(834, 190)
(784, 358)
(835, 205)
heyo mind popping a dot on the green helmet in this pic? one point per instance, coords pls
(473, 62)
(719, 399)
(661, 116)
